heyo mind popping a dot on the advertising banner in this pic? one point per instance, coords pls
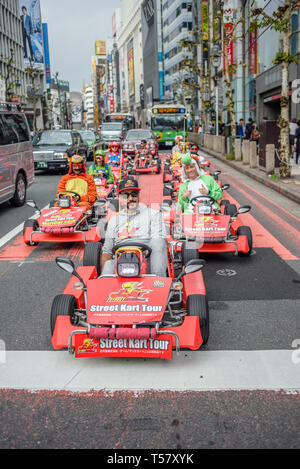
(130, 61)
(46, 53)
(253, 53)
(227, 34)
(205, 35)
(33, 49)
(100, 48)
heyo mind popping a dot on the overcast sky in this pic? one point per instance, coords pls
(73, 28)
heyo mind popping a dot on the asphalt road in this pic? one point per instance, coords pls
(247, 390)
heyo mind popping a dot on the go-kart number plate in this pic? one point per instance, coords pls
(42, 164)
(151, 348)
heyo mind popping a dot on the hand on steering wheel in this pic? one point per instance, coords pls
(133, 243)
(200, 198)
(76, 196)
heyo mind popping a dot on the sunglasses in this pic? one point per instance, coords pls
(127, 194)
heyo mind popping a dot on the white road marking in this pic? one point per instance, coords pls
(13, 233)
(271, 370)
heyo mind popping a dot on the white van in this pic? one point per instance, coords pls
(16, 155)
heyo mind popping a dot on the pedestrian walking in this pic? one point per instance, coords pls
(293, 128)
(297, 142)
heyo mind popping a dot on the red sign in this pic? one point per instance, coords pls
(150, 348)
(227, 34)
(253, 53)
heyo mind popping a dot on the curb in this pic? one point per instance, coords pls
(262, 179)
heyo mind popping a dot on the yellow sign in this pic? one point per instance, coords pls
(100, 48)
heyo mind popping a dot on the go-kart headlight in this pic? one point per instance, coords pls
(128, 269)
(204, 209)
(64, 202)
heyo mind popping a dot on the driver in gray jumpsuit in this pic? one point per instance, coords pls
(135, 221)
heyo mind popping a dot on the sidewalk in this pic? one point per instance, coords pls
(289, 188)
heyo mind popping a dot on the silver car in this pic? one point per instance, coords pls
(16, 155)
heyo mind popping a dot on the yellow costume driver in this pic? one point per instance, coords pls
(78, 180)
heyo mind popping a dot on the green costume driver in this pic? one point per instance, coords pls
(196, 183)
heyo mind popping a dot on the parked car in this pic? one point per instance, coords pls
(133, 140)
(92, 139)
(55, 147)
(16, 155)
(111, 131)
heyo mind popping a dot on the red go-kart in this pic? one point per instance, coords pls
(131, 313)
(207, 230)
(63, 222)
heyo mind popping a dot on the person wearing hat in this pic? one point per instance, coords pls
(100, 168)
(114, 156)
(196, 183)
(135, 221)
(78, 180)
(177, 139)
(176, 157)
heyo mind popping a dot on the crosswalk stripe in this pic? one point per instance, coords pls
(272, 370)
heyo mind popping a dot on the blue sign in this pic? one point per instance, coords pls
(46, 53)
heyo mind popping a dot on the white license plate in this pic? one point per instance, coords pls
(169, 144)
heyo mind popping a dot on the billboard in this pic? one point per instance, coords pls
(100, 48)
(33, 49)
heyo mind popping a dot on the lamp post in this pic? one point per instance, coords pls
(215, 56)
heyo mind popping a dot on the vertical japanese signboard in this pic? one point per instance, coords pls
(253, 52)
(130, 62)
(205, 35)
(227, 37)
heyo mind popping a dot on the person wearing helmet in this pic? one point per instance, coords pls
(78, 180)
(135, 221)
(176, 157)
(144, 151)
(196, 183)
(100, 168)
(113, 157)
(178, 139)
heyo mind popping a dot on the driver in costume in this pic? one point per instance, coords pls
(114, 156)
(78, 180)
(196, 183)
(135, 221)
(100, 168)
(144, 151)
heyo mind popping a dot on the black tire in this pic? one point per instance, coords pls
(224, 202)
(167, 202)
(230, 209)
(245, 231)
(189, 251)
(92, 256)
(63, 305)
(167, 191)
(19, 197)
(197, 305)
(31, 224)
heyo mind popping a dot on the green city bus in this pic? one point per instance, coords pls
(168, 121)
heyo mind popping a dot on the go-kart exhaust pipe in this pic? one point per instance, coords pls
(123, 333)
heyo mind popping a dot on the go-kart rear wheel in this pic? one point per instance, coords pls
(197, 305)
(92, 255)
(245, 231)
(34, 225)
(189, 251)
(63, 305)
(230, 209)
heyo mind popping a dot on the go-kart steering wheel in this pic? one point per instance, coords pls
(198, 198)
(76, 196)
(132, 243)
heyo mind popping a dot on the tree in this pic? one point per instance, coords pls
(10, 78)
(33, 74)
(280, 21)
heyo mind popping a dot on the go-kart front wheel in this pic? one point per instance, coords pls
(92, 256)
(245, 231)
(197, 305)
(189, 251)
(33, 225)
(63, 305)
